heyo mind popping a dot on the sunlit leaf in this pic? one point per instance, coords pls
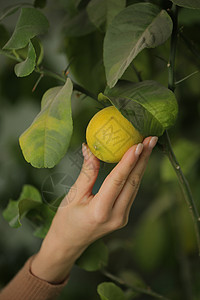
(27, 67)
(31, 22)
(150, 107)
(46, 141)
(187, 3)
(110, 291)
(138, 26)
(95, 257)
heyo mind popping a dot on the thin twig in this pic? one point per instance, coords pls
(138, 73)
(44, 72)
(120, 281)
(186, 77)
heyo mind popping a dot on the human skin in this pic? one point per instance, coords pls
(83, 217)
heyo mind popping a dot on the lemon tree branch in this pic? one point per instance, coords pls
(167, 148)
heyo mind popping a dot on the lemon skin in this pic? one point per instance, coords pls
(109, 135)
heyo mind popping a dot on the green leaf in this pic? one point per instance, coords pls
(95, 257)
(138, 26)
(101, 11)
(31, 23)
(29, 198)
(43, 217)
(149, 106)
(187, 3)
(27, 67)
(46, 141)
(110, 291)
(113, 8)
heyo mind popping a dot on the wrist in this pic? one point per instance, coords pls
(54, 262)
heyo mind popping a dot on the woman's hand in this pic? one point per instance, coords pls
(83, 217)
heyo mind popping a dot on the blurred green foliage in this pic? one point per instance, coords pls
(158, 247)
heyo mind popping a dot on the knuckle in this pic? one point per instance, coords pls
(119, 181)
(119, 223)
(134, 180)
(101, 218)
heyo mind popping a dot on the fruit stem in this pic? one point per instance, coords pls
(167, 148)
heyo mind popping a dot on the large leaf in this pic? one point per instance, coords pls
(187, 3)
(46, 141)
(95, 257)
(150, 107)
(26, 67)
(138, 26)
(110, 291)
(41, 218)
(101, 11)
(31, 22)
(29, 199)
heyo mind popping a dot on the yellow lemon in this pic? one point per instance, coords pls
(109, 135)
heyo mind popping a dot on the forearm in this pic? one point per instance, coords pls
(55, 260)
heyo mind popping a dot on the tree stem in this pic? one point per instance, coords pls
(173, 44)
(167, 143)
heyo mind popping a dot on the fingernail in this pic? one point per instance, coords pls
(85, 151)
(139, 149)
(153, 142)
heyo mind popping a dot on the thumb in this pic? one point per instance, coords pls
(89, 171)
